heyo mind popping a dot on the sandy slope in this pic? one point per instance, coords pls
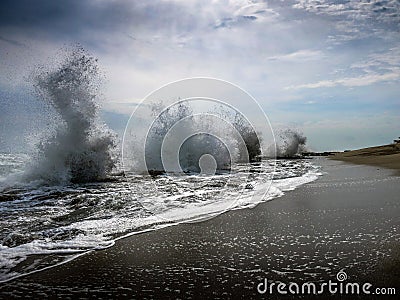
(387, 156)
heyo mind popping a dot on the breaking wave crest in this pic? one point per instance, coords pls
(292, 143)
(79, 149)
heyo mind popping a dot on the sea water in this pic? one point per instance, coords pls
(43, 226)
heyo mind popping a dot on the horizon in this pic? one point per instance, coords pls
(329, 69)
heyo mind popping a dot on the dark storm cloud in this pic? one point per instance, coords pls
(12, 42)
(73, 18)
(76, 19)
(57, 16)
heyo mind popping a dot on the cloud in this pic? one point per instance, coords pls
(12, 42)
(83, 20)
(228, 22)
(299, 56)
(243, 13)
(351, 81)
(123, 107)
(383, 61)
(263, 46)
(374, 68)
(372, 11)
(356, 19)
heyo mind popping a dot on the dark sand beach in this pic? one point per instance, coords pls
(387, 156)
(346, 220)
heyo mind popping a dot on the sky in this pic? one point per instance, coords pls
(330, 69)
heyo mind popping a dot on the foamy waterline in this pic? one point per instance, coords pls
(122, 227)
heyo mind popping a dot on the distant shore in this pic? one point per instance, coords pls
(386, 156)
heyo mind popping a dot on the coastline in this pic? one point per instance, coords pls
(387, 156)
(346, 220)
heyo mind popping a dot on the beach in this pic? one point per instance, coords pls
(347, 220)
(387, 156)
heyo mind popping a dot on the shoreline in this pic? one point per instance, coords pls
(386, 156)
(339, 222)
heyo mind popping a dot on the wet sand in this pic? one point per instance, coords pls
(346, 220)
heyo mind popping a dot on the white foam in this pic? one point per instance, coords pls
(104, 227)
(289, 184)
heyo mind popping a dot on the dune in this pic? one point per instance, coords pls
(386, 156)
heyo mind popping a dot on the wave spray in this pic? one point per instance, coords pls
(81, 149)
